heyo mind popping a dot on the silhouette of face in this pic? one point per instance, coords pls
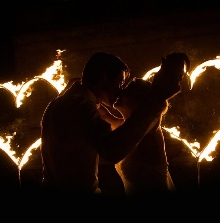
(125, 104)
(131, 96)
(112, 88)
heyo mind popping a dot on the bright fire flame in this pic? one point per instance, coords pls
(5, 145)
(210, 148)
(174, 133)
(195, 146)
(28, 153)
(55, 77)
(202, 67)
(151, 73)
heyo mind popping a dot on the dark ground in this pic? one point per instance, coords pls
(189, 178)
(186, 176)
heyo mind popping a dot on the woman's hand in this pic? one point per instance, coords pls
(166, 82)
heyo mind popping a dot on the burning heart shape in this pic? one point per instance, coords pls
(195, 111)
(20, 125)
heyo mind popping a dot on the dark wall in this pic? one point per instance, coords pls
(138, 41)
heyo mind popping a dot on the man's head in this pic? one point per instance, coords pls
(104, 74)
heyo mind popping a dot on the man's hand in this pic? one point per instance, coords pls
(166, 82)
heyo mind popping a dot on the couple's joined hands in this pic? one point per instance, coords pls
(166, 82)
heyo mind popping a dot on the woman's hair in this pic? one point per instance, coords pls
(100, 64)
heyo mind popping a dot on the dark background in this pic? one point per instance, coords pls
(28, 23)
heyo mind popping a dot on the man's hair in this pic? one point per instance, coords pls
(100, 64)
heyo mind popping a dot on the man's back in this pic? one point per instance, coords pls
(69, 160)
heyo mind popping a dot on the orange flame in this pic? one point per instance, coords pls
(5, 145)
(151, 73)
(210, 148)
(53, 75)
(28, 153)
(13, 89)
(174, 133)
(202, 67)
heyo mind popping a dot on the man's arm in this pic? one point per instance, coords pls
(115, 145)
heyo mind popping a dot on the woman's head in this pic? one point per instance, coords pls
(131, 96)
(105, 74)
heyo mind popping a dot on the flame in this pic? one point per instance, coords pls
(28, 153)
(5, 145)
(13, 89)
(25, 91)
(210, 148)
(202, 67)
(150, 73)
(53, 75)
(193, 147)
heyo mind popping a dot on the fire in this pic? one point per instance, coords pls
(202, 67)
(210, 148)
(5, 145)
(193, 147)
(54, 75)
(151, 73)
(28, 153)
(14, 89)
